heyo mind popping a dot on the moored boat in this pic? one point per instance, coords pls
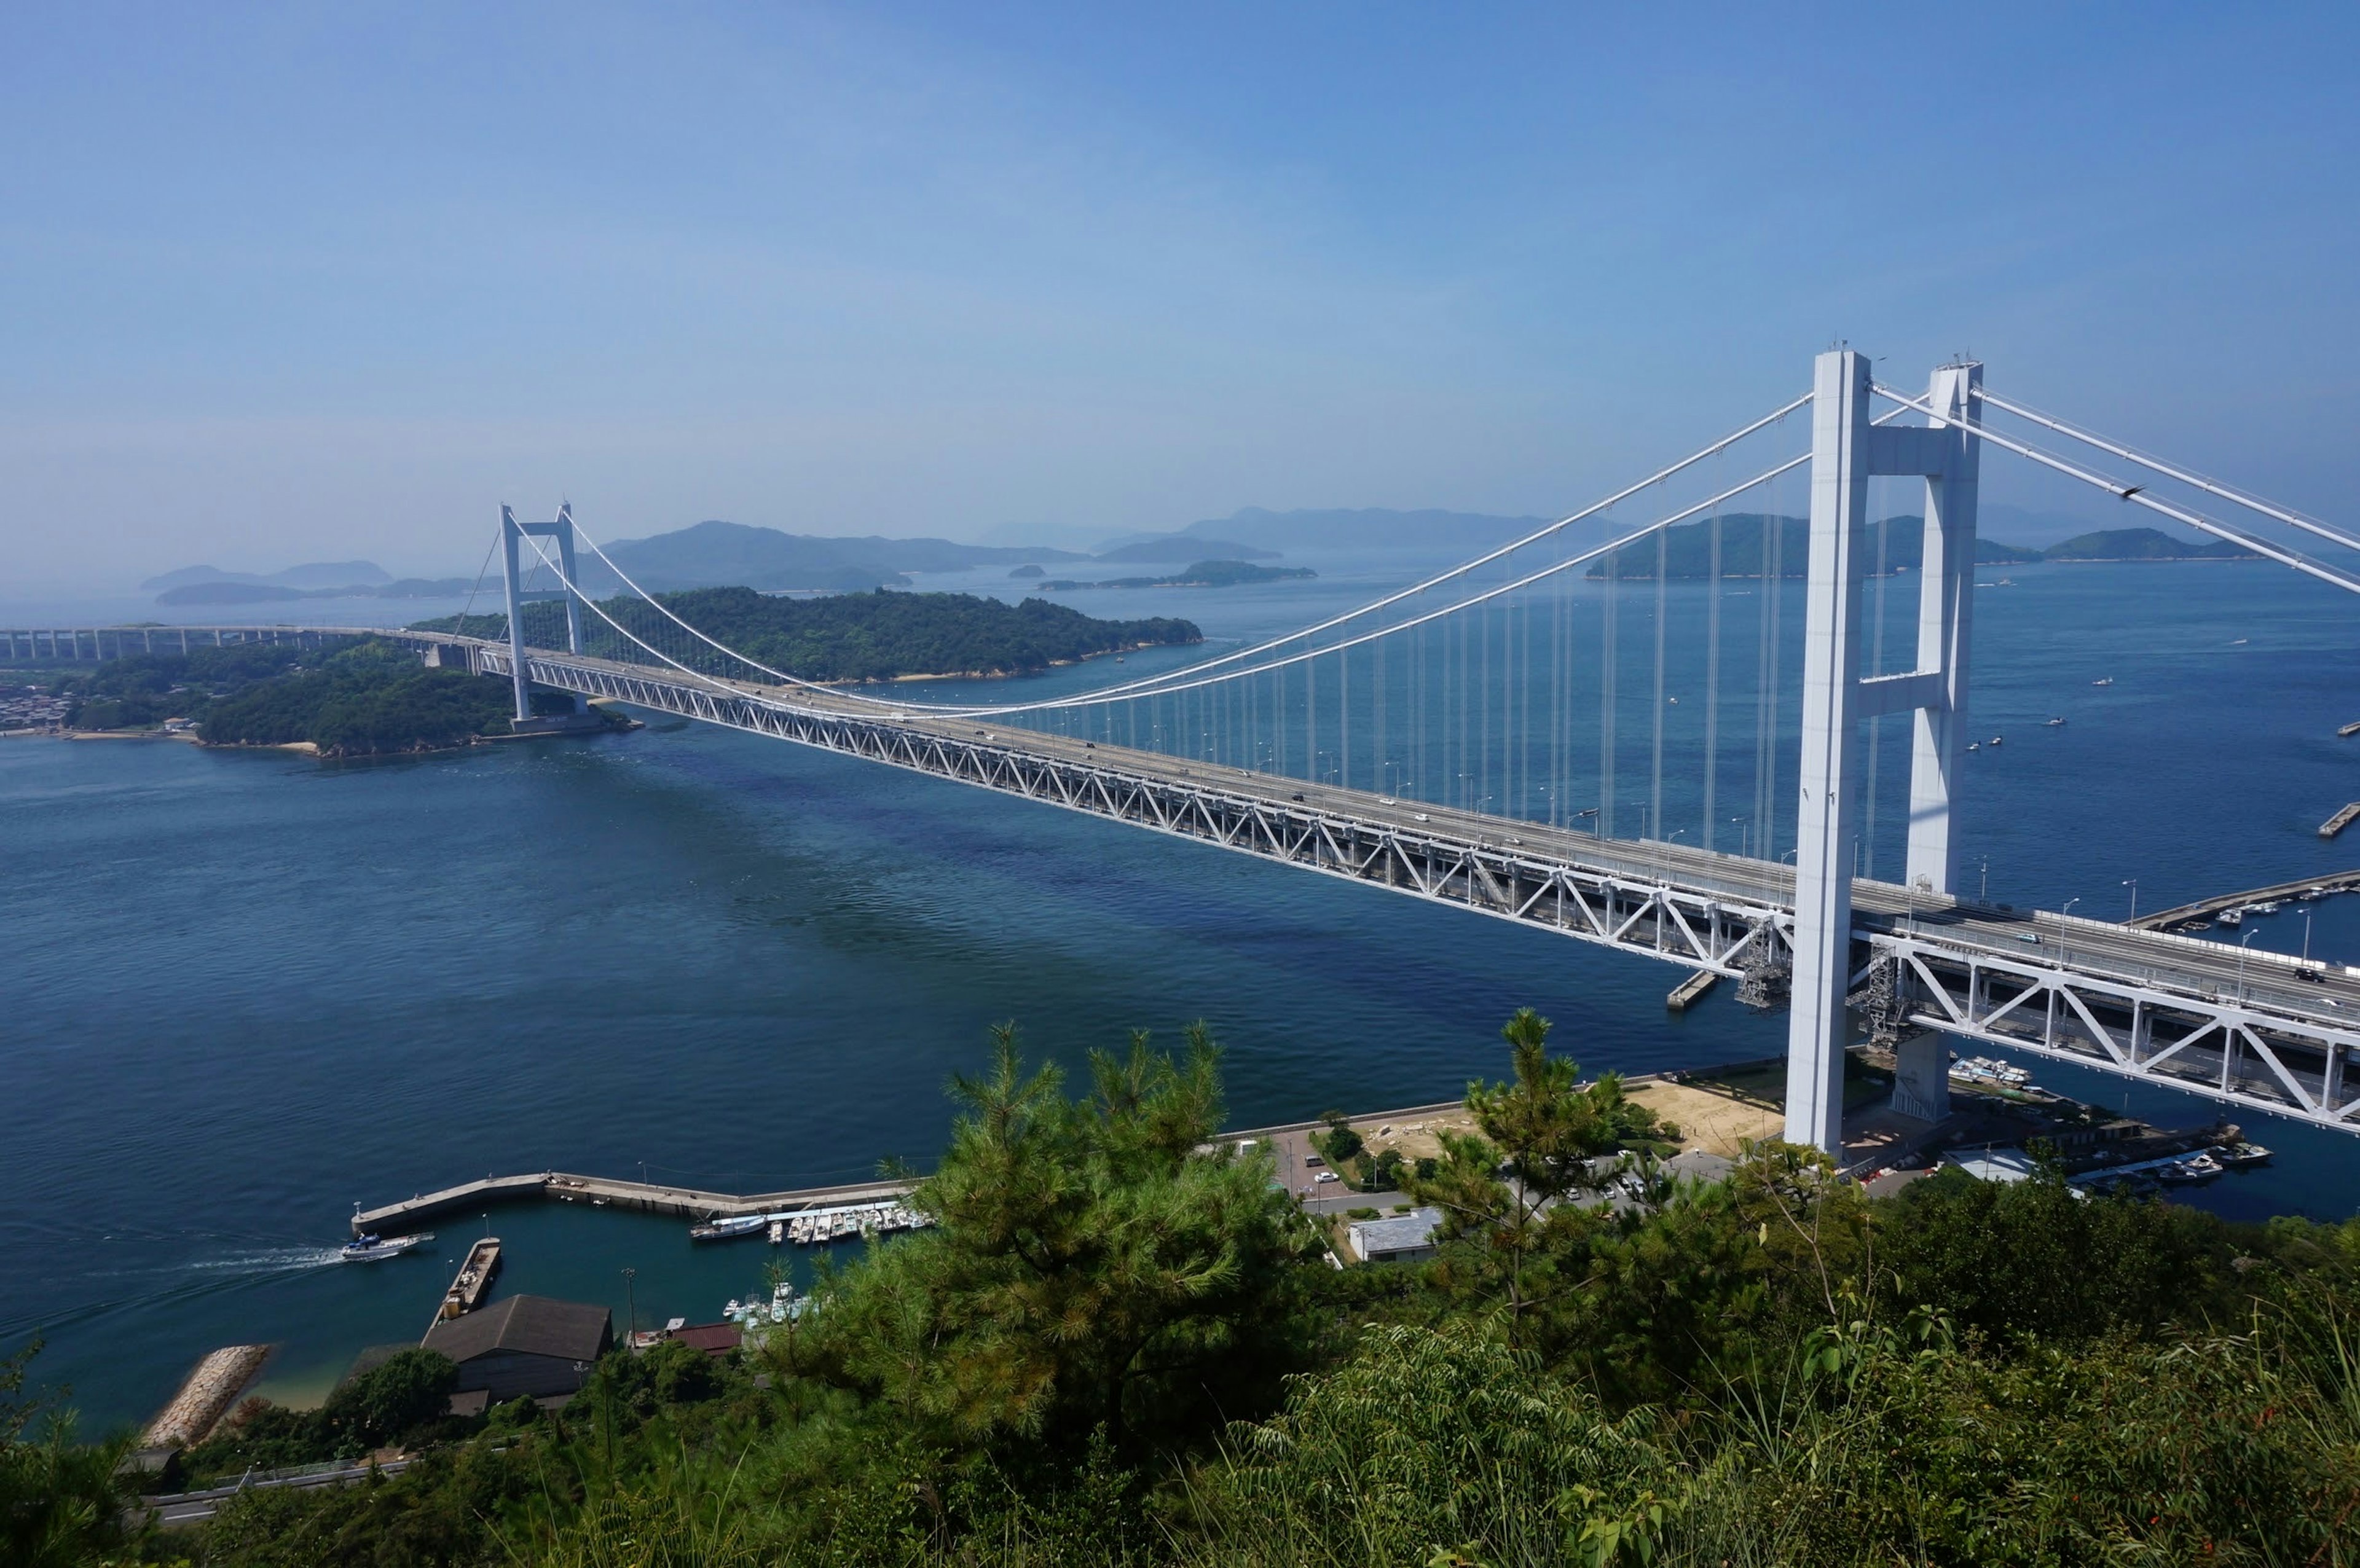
(720, 1229)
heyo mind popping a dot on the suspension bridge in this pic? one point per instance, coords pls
(1471, 739)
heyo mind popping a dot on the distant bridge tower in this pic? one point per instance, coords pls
(1847, 451)
(512, 536)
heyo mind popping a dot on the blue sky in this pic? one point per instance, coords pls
(313, 282)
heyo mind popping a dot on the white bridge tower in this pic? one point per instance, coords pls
(1847, 451)
(512, 536)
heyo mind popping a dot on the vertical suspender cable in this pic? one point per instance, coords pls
(1607, 637)
(1712, 679)
(1867, 856)
(1656, 761)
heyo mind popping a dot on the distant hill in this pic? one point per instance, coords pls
(1370, 528)
(721, 554)
(246, 592)
(1688, 548)
(317, 574)
(1185, 547)
(2142, 544)
(228, 593)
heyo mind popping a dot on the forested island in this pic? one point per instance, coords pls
(1202, 574)
(1121, 1343)
(877, 636)
(364, 698)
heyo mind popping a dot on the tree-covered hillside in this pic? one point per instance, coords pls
(877, 635)
(365, 701)
(356, 700)
(1120, 1343)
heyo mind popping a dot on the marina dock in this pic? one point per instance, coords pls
(693, 1203)
(2205, 908)
(1691, 991)
(475, 1277)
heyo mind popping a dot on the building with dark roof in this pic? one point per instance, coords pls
(714, 1339)
(524, 1346)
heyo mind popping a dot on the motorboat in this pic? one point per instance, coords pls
(2056, 721)
(724, 1229)
(373, 1248)
(2107, 680)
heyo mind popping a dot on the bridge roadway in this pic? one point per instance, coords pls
(2254, 1029)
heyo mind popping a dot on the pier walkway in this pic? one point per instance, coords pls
(695, 1203)
(565, 1187)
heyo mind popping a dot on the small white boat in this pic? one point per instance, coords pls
(2231, 918)
(2106, 681)
(1994, 740)
(375, 1248)
(723, 1229)
(2055, 722)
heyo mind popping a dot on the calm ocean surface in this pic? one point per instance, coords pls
(244, 992)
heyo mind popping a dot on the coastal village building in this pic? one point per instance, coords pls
(1404, 1238)
(531, 1346)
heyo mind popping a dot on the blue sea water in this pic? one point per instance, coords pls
(246, 991)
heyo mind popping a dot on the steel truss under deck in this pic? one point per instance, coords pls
(2200, 1038)
(1697, 929)
(2187, 1038)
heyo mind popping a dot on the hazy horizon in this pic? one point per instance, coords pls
(285, 287)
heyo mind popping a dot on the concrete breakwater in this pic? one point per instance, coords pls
(600, 1192)
(218, 1380)
(687, 1202)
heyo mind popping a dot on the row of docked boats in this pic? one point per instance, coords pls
(1991, 1071)
(2177, 1170)
(780, 1306)
(2235, 915)
(814, 1228)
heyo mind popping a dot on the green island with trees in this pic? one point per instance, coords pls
(1121, 1343)
(362, 697)
(1203, 574)
(885, 635)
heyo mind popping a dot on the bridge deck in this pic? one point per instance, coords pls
(2254, 1029)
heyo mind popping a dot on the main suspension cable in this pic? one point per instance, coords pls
(2132, 493)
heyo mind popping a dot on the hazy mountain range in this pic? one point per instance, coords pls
(1687, 549)
(716, 554)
